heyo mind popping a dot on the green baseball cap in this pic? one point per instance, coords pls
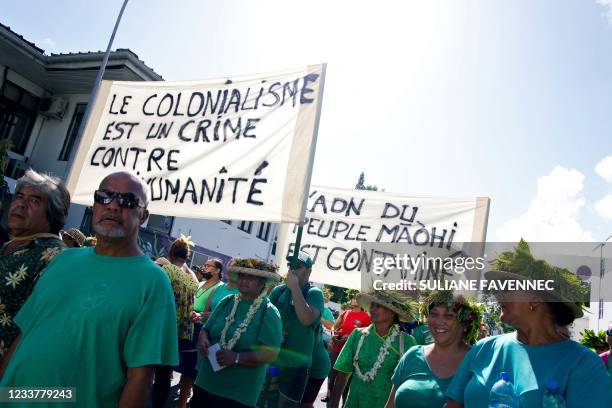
(303, 259)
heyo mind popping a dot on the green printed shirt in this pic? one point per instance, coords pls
(184, 287)
(372, 394)
(21, 262)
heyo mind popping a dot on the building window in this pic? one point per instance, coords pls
(264, 231)
(18, 111)
(73, 132)
(246, 226)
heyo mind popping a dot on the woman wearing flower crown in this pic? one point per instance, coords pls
(535, 357)
(248, 330)
(371, 353)
(425, 371)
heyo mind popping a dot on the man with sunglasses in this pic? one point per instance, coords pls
(101, 317)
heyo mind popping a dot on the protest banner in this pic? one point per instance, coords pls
(237, 148)
(339, 221)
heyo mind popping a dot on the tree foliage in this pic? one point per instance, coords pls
(362, 186)
(594, 341)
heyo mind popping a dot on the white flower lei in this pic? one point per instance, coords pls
(382, 354)
(229, 345)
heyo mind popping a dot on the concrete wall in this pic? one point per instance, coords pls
(46, 148)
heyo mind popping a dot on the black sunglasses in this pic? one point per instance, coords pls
(124, 200)
(609, 332)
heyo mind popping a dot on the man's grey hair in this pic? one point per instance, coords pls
(58, 197)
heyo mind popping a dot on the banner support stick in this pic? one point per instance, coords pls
(298, 238)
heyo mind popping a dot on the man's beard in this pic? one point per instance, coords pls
(109, 232)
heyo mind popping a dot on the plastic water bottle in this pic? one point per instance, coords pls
(552, 396)
(502, 393)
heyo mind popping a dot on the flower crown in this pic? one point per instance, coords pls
(253, 264)
(467, 311)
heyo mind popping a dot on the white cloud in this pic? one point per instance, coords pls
(604, 207)
(553, 213)
(608, 5)
(604, 167)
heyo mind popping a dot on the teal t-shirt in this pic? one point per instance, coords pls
(298, 339)
(581, 374)
(416, 386)
(201, 297)
(88, 319)
(222, 291)
(327, 314)
(239, 382)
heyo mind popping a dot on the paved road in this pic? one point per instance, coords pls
(176, 376)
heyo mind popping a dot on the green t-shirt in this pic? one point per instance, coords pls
(222, 291)
(298, 339)
(21, 261)
(239, 382)
(416, 386)
(376, 392)
(201, 297)
(327, 314)
(320, 358)
(88, 319)
(581, 374)
(422, 335)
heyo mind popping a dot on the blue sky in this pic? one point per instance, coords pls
(509, 100)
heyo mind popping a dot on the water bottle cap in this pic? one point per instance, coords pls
(505, 376)
(273, 371)
(552, 385)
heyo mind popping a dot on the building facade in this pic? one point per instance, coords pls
(42, 102)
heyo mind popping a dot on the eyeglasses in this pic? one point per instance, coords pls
(609, 332)
(124, 200)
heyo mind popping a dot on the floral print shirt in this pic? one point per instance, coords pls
(21, 263)
(184, 286)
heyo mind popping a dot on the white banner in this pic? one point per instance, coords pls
(238, 148)
(340, 220)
